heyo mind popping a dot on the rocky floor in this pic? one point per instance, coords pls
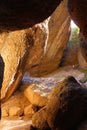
(43, 86)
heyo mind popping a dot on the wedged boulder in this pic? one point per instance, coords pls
(78, 11)
(66, 107)
(16, 14)
(54, 34)
(14, 53)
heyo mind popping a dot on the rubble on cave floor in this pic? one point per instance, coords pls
(43, 84)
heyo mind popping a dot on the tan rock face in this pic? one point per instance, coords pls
(28, 110)
(15, 111)
(15, 105)
(53, 34)
(35, 96)
(49, 40)
(14, 53)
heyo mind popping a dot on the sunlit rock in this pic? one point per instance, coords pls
(4, 112)
(35, 95)
(15, 111)
(48, 40)
(14, 53)
(15, 105)
(28, 110)
(54, 37)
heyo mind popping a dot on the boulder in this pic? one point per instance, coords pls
(35, 95)
(19, 14)
(53, 33)
(67, 105)
(78, 11)
(39, 120)
(66, 108)
(29, 110)
(15, 111)
(14, 53)
(4, 112)
(19, 50)
(15, 105)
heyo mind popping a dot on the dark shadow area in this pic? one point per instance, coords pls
(20, 14)
(1, 78)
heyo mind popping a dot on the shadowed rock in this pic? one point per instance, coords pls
(82, 55)
(66, 107)
(24, 13)
(78, 12)
(39, 120)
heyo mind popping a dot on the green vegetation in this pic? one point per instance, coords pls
(74, 39)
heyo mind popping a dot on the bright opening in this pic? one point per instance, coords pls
(73, 25)
(74, 38)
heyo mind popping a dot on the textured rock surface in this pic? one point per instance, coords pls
(35, 95)
(54, 36)
(14, 53)
(17, 56)
(15, 111)
(21, 13)
(29, 110)
(18, 99)
(39, 120)
(78, 11)
(67, 105)
(15, 105)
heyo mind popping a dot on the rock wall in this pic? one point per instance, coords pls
(53, 34)
(78, 11)
(13, 52)
(37, 50)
